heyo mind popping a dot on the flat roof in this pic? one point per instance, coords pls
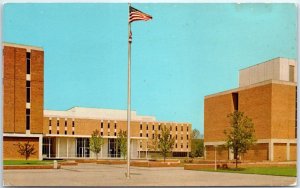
(267, 61)
(251, 86)
(23, 46)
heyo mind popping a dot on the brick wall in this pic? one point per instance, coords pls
(216, 110)
(293, 152)
(10, 148)
(279, 152)
(283, 111)
(258, 152)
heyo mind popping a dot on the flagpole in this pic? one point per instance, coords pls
(129, 97)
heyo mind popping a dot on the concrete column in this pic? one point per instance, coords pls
(67, 147)
(139, 149)
(58, 147)
(147, 149)
(271, 151)
(288, 151)
(49, 149)
(40, 148)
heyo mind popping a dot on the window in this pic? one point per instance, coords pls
(28, 91)
(147, 127)
(152, 136)
(158, 136)
(72, 132)
(108, 134)
(65, 132)
(181, 137)
(170, 128)
(27, 119)
(187, 128)
(57, 123)
(147, 135)
(235, 100)
(101, 133)
(181, 128)
(49, 131)
(175, 145)
(176, 128)
(141, 126)
(101, 125)
(65, 123)
(181, 146)
(187, 137)
(57, 132)
(27, 62)
(187, 146)
(108, 125)
(176, 136)
(115, 125)
(152, 127)
(141, 134)
(158, 127)
(115, 134)
(50, 122)
(73, 124)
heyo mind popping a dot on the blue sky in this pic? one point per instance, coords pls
(186, 52)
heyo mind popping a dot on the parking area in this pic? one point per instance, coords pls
(114, 175)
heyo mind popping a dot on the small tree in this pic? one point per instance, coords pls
(26, 149)
(165, 142)
(96, 142)
(122, 143)
(196, 144)
(240, 137)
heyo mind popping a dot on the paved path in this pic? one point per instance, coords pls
(114, 175)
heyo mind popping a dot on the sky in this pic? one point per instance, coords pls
(186, 52)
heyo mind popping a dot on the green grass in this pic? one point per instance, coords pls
(28, 162)
(275, 171)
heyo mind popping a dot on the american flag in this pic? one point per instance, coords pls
(136, 15)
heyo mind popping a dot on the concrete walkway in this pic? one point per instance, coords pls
(114, 175)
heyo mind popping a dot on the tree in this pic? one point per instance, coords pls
(197, 145)
(122, 142)
(96, 142)
(165, 142)
(240, 137)
(26, 149)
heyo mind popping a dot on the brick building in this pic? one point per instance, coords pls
(65, 134)
(267, 94)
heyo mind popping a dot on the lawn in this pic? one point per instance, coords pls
(28, 162)
(275, 171)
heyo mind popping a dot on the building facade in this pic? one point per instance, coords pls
(267, 94)
(65, 134)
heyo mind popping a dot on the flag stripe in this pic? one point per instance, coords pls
(136, 15)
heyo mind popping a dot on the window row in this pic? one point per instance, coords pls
(57, 132)
(159, 127)
(57, 123)
(158, 135)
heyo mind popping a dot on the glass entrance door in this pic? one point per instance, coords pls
(82, 147)
(113, 149)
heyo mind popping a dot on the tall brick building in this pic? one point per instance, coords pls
(267, 94)
(65, 134)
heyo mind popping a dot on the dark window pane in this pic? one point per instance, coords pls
(28, 55)
(57, 132)
(27, 83)
(115, 125)
(101, 124)
(73, 123)
(27, 111)
(57, 123)
(27, 122)
(65, 123)
(27, 94)
(49, 131)
(28, 66)
(50, 122)
(65, 132)
(108, 125)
